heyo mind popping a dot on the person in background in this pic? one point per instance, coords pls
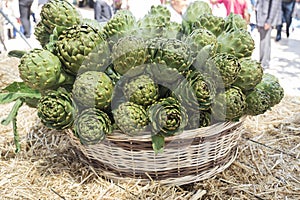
(102, 10)
(25, 13)
(177, 8)
(296, 16)
(287, 8)
(267, 16)
(234, 6)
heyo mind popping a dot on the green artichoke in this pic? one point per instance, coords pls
(202, 39)
(250, 75)
(258, 102)
(270, 84)
(154, 23)
(128, 52)
(141, 90)
(93, 89)
(91, 126)
(120, 25)
(167, 117)
(210, 22)
(193, 11)
(56, 109)
(130, 118)
(58, 14)
(197, 91)
(235, 22)
(229, 105)
(238, 42)
(170, 52)
(42, 70)
(82, 48)
(227, 66)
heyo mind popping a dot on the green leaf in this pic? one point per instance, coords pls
(158, 143)
(16, 53)
(18, 90)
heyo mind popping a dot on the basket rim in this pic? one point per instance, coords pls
(209, 131)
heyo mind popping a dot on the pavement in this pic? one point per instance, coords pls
(285, 55)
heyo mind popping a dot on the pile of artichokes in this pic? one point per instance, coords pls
(142, 76)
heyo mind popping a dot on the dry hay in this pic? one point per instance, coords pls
(48, 167)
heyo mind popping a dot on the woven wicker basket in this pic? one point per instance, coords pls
(192, 156)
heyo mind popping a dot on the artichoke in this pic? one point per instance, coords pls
(141, 90)
(56, 109)
(82, 48)
(58, 14)
(238, 42)
(120, 25)
(202, 39)
(91, 126)
(128, 52)
(210, 22)
(154, 23)
(227, 66)
(167, 117)
(193, 11)
(93, 89)
(229, 105)
(270, 84)
(235, 22)
(42, 70)
(170, 52)
(250, 75)
(258, 102)
(130, 118)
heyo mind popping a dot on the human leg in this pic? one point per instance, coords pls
(288, 8)
(25, 19)
(265, 46)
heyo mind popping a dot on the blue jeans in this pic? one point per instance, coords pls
(287, 11)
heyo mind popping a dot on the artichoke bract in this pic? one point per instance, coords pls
(91, 126)
(93, 89)
(167, 117)
(56, 109)
(42, 70)
(130, 118)
(82, 48)
(128, 52)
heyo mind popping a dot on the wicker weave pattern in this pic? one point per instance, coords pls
(191, 156)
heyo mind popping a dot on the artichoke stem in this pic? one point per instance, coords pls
(16, 135)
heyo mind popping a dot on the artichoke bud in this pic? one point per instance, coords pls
(92, 125)
(229, 105)
(270, 84)
(130, 118)
(93, 89)
(56, 109)
(42, 70)
(167, 117)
